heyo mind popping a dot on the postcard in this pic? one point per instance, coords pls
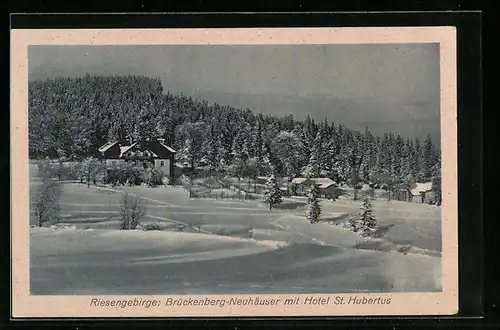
(234, 172)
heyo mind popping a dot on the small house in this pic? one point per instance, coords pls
(300, 186)
(142, 153)
(326, 186)
(419, 191)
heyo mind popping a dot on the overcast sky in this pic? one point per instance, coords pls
(392, 87)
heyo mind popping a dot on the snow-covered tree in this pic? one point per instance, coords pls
(313, 167)
(313, 209)
(73, 117)
(408, 181)
(192, 135)
(287, 147)
(211, 150)
(428, 158)
(272, 193)
(185, 153)
(367, 224)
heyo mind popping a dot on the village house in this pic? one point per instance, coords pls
(421, 192)
(148, 152)
(326, 187)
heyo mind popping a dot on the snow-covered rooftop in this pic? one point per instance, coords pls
(124, 149)
(168, 148)
(326, 185)
(326, 182)
(107, 146)
(323, 181)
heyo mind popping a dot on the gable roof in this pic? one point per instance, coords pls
(107, 145)
(118, 148)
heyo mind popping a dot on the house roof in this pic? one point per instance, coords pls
(326, 185)
(299, 180)
(155, 155)
(323, 181)
(326, 182)
(124, 149)
(107, 145)
(157, 148)
(417, 188)
(167, 147)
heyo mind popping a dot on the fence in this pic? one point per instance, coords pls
(428, 197)
(195, 192)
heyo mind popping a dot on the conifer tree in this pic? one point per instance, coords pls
(286, 146)
(237, 146)
(417, 160)
(313, 168)
(272, 193)
(406, 158)
(211, 149)
(313, 208)
(367, 223)
(428, 160)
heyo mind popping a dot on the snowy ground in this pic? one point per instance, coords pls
(231, 247)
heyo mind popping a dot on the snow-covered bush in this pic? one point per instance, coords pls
(132, 210)
(151, 226)
(153, 177)
(47, 208)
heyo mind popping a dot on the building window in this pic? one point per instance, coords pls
(162, 163)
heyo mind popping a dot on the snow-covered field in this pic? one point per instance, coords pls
(231, 246)
(76, 261)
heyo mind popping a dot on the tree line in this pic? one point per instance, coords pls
(70, 117)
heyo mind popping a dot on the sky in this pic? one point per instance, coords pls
(387, 87)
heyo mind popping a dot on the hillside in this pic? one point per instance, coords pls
(72, 117)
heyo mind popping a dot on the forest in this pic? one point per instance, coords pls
(70, 117)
